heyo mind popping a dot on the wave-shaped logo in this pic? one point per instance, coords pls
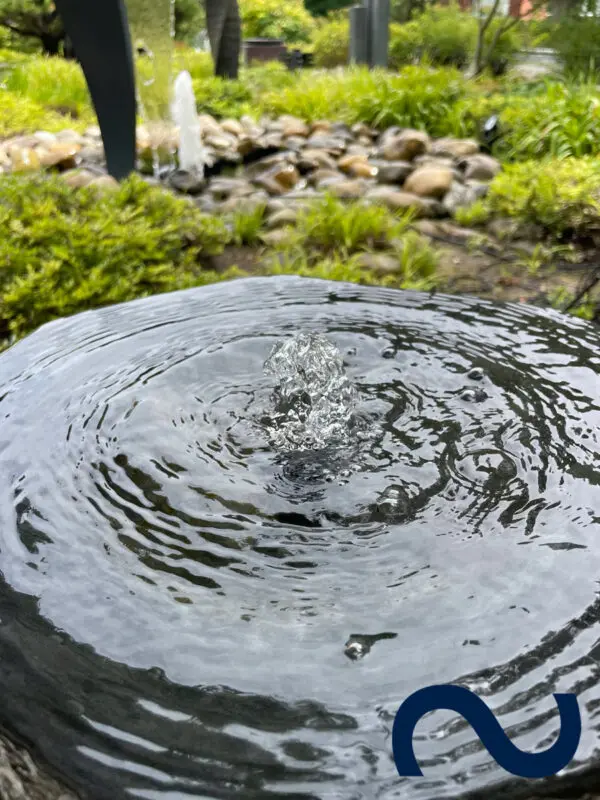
(488, 729)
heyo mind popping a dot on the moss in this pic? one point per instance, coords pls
(64, 251)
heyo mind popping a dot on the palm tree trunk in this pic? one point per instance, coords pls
(225, 36)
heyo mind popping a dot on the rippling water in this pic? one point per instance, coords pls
(191, 608)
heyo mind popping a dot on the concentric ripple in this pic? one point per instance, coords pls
(194, 604)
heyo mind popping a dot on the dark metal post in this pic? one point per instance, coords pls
(100, 36)
(359, 40)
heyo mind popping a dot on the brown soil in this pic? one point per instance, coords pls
(475, 265)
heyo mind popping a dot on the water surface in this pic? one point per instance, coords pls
(180, 593)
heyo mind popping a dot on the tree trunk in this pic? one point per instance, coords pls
(225, 36)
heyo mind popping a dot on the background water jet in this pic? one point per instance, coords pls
(175, 599)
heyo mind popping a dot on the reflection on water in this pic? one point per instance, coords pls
(191, 606)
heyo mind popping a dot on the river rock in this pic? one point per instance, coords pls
(348, 190)
(104, 182)
(79, 178)
(357, 166)
(221, 141)
(208, 125)
(245, 205)
(44, 137)
(286, 175)
(233, 127)
(222, 188)
(23, 159)
(59, 154)
(454, 148)
(397, 200)
(68, 135)
(380, 263)
(277, 237)
(362, 129)
(392, 171)
(405, 146)
(480, 167)
(292, 126)
(429, 181)
(320, 126)
(187, 182)
(355, 149)
(314, 159)
(331, 144)
(320, 175)
(283, 217)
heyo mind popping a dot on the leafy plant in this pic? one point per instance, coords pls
(560, 195)
(52, 82)
(331, 43)
(64, 251)
(275, 20)
(22, 115)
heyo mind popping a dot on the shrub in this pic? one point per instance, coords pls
(331, 43)
(199, 65)
(64, 251)
(22, 115)
(505, 49)
(221, 97)
(577, 42)
(448, 34)
(329, 224)
(52, 82)
(273, 19)
(406, 44)
(417, 97)
(561, 195)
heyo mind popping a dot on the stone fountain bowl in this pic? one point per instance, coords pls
(178, 595)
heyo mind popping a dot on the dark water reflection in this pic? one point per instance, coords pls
(177, 599)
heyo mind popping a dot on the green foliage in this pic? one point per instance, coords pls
(406, 44)
(550, 119)
(560, 195)
(329, 236)
(221, 97)
(448, 34)
(417, 97)
(577, 42)
(52, 82)
(189, 19)
(273, 19)
(199, 65)
(321, 8)
(329, 224)
(331, 43)
(248, 224)
(64, 251)
(22, 115)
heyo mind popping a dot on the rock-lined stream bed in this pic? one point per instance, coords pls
(180, 593)
(287, 161)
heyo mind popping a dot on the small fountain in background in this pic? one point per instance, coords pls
(192, 156)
